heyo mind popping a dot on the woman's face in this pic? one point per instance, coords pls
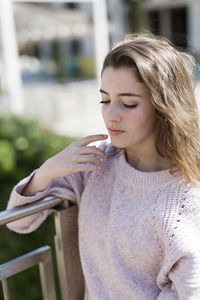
(127, 109)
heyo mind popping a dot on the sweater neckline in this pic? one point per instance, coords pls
(141, 179)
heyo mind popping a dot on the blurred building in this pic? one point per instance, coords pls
(61, 37)
(178, 20)
(49, 36)
(57, 44)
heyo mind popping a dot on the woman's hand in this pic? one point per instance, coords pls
(75, 158)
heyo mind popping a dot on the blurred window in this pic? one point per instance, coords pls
(179, 26)
(154, 22)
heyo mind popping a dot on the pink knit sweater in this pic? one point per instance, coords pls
(139, 232)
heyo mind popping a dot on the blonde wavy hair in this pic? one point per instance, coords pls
(168, 75)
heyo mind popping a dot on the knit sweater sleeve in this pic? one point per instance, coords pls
(70, 187)
(179, 276)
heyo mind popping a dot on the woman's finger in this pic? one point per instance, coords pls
(90, 158)
(92, 150)
(91, 138)
(85, 167)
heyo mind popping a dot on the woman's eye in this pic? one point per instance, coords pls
(131, 106)
(104, 102)
(125, 105)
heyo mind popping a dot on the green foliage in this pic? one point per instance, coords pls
(24, 146)
(137, 16)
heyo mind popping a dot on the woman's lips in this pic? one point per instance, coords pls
(115, 132)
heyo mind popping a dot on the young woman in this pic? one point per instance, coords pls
(139, 196)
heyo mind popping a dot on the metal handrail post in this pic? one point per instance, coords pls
(46, 277)
(67, 253)
(41, 256)
(5, 289)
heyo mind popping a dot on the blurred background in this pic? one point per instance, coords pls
(50, 60)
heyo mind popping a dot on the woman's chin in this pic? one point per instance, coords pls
(117, 144)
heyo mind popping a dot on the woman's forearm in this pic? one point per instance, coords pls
(38, 183)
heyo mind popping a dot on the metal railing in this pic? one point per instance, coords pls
(67, 253)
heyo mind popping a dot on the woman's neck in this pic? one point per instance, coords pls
(147, 161)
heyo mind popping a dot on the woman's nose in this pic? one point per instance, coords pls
(112, 113)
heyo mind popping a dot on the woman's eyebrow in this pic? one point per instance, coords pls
(122, 94)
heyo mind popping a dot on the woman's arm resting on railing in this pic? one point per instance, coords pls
(62, 175)
(70, 187)
(39, 182)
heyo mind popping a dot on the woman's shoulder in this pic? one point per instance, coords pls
(181, 206)
(180, 190)
(110, 150)
(107, 166)
(191, 200)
